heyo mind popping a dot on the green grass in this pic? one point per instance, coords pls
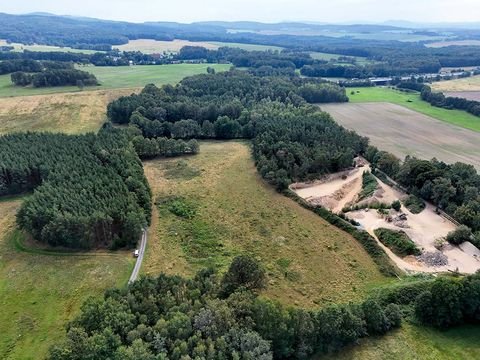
(416, 342)
(397, 241)
(41, 291)
(117, 77)
(227, 210)
(326, 56)
(414, 102)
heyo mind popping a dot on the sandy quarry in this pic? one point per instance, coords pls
(338, 190)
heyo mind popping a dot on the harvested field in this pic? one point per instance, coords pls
(440, 44)
(71, 113)
(149, 46)
(402, 132)
(309, 262)
(469, 95)
(471, 83)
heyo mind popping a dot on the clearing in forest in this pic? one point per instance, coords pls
(213, 206)
(40, 293)
(403, 132)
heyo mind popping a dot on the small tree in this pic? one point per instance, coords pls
(243, 272)
(459, 235)
(396, 205)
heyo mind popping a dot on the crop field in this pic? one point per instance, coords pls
(466, 84)
(415, 342)
(405, 132)
(40, 291)
(226, 210)
(248, 47)
(71, 113)
(117, 77)
(45, 48)
(149, 46)
(439, 44)
(413, 102)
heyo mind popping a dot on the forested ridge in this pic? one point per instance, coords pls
(89, 190)
(292, 140)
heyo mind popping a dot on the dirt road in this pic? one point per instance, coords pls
(138, 264)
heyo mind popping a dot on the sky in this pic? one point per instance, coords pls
(331, 11)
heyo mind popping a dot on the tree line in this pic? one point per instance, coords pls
(292, 140)
(90, 190)
(209, 316)
(170, 317)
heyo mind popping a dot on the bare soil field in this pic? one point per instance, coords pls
(469, 95)
(71, 113)
(471, 83)
(149, 46)
(440, 44)
(402, 132)
(424, 228)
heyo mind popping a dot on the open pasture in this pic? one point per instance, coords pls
(412, 100)
(40, 293)
(403, 132)
(231, 211)
(471, 83)
(44, 48)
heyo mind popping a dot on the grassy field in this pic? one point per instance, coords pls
(326, 56)
(71, 113)
(402, 132)
(414, 102)
(39, 294)
(309, 262)
(117, 77)
(249, 47)
(439, 44)
(414, 342)
(466, 84)
(44, 48)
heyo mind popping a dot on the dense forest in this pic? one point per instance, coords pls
(215, 317)
(90, 190)
(292, 140)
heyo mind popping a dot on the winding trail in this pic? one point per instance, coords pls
(141, 252)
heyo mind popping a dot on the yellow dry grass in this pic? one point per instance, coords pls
(70, 113)
(466, 84)
(309, 262)
(148, 46)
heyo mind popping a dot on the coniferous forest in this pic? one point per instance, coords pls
(89, 190)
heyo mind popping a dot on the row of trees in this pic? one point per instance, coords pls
(216, 318)
(90, 190)
(448, 102)
(49, 78)
(292, 140)
(31, 66)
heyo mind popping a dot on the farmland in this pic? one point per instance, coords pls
(405, 132)
(44, 48)
(71, 113)
(148, 46)
(41, 292)
(439, 44)
(414, 102)
(466, 84)
(309, 262)
(117, 77)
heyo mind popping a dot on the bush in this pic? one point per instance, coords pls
(396, 205)
(397, 241)
(244, 272)
(414, 204)
(460, 235)
(369, 185)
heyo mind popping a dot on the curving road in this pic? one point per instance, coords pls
(141, 252)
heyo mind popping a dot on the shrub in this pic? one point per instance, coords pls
(460, 235)
(369, 185)
(243, 272)
(397, 241)
(396, 205)
(414, 204)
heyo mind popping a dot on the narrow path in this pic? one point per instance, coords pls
(141, 252)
